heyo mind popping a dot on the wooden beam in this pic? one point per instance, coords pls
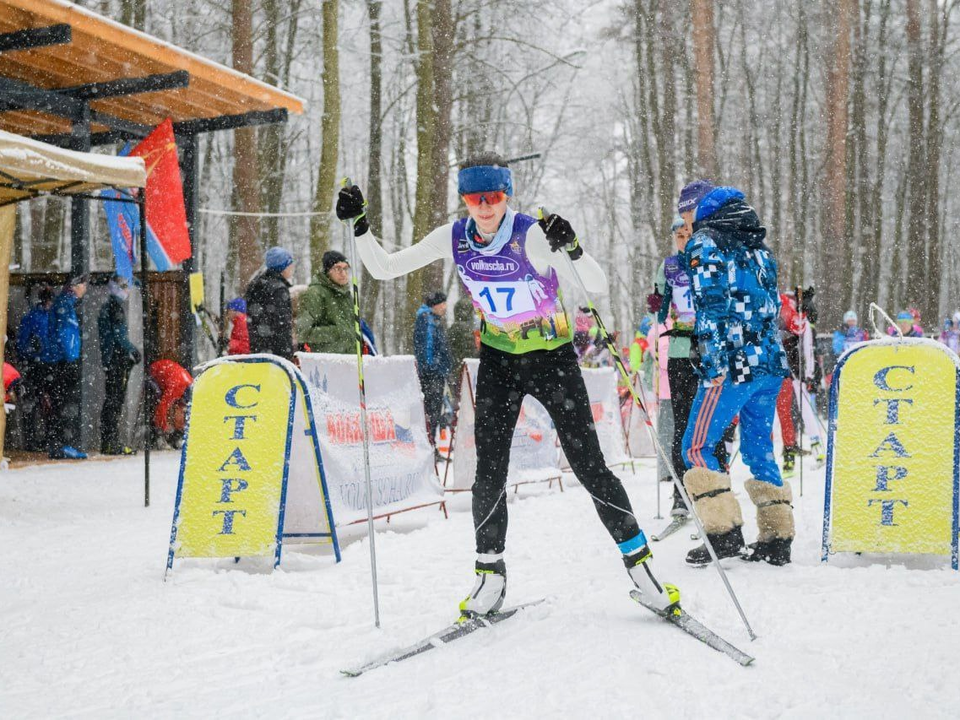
(128, 86)
(231, 122)
(35, 38)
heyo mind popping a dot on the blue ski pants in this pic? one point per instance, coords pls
(714, 409)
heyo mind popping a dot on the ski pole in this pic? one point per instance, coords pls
(800, 349)
(618, 361)
(656, 387)
(351, 243)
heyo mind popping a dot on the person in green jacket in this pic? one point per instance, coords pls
(325, 318)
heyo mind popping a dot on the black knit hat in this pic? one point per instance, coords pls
(435, 298)
(331, 258)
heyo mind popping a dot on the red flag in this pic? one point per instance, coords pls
(166, 214)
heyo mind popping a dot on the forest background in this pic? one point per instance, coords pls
(837, 118)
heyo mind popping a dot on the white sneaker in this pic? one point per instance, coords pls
(659, 596)
(490, 589)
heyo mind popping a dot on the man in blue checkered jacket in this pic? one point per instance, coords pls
(742, 365)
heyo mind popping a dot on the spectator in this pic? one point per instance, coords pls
(742, 366)
(325, 321)
(951, 334)
(239, 335)
(11, 382)
(118, 355)
(65, 384)
(848, 335)
(37, 353)
(269, 312)
(433, 357)
(172, 382)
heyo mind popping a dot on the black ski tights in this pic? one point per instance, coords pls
(552, 377)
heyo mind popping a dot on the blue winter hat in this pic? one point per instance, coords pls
(677, 224)
(904, 315)
(238, 305)
(645, 325)
(714, 200)
(692, 194)
(485, 178)
(278, 258)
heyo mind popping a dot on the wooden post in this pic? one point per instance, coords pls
(8, 220)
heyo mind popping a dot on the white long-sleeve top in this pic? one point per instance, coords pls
(438, 245)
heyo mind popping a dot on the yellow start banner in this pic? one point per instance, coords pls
(892, 465)
(235, 463)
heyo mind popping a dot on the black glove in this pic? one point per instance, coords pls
(561, 235)
(136, 356)
(352, 206)
(655, 300)
(811, 386)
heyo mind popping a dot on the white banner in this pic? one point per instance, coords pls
(402, 471)
(605, 405)
(534, 455)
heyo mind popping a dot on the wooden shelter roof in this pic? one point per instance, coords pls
(59, 60)
(29, 168)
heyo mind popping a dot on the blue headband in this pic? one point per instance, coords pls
(484, 178)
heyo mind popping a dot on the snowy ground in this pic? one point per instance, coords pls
(88, 628)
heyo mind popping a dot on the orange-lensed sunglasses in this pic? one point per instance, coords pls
(490, 197)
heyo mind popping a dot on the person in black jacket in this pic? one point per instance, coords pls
(269, 312)
(119, 355)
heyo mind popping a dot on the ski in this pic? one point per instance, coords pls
(690, 625)
(454, 631)
(676, 523)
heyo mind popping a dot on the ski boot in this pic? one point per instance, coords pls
(789, 461)
(660, 597)
(490, 589)
(679, 508)
(816, 448)
(726, 545)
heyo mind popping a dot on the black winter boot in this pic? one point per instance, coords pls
(775, 551)
(728, 544)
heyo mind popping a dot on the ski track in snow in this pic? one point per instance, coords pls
(88, 628)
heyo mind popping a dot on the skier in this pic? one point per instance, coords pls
(742, 363)
(907, 323)
(676, 304)
(495, 248)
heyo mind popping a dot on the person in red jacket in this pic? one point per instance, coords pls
(11, 380)
(239, 335)
(169, 419)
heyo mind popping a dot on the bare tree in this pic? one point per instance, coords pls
(704, 44)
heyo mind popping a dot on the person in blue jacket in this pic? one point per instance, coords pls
(742, 365)
(37, 354)
(433, 357)
(65, 397)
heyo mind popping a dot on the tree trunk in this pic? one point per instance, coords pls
(835, 275)
(320, 225)
(666, 142)
(443, 35)
(374, 181)
(245, 235)
(916, 258)
(704, 41)
(426, 133)
(938, 38)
